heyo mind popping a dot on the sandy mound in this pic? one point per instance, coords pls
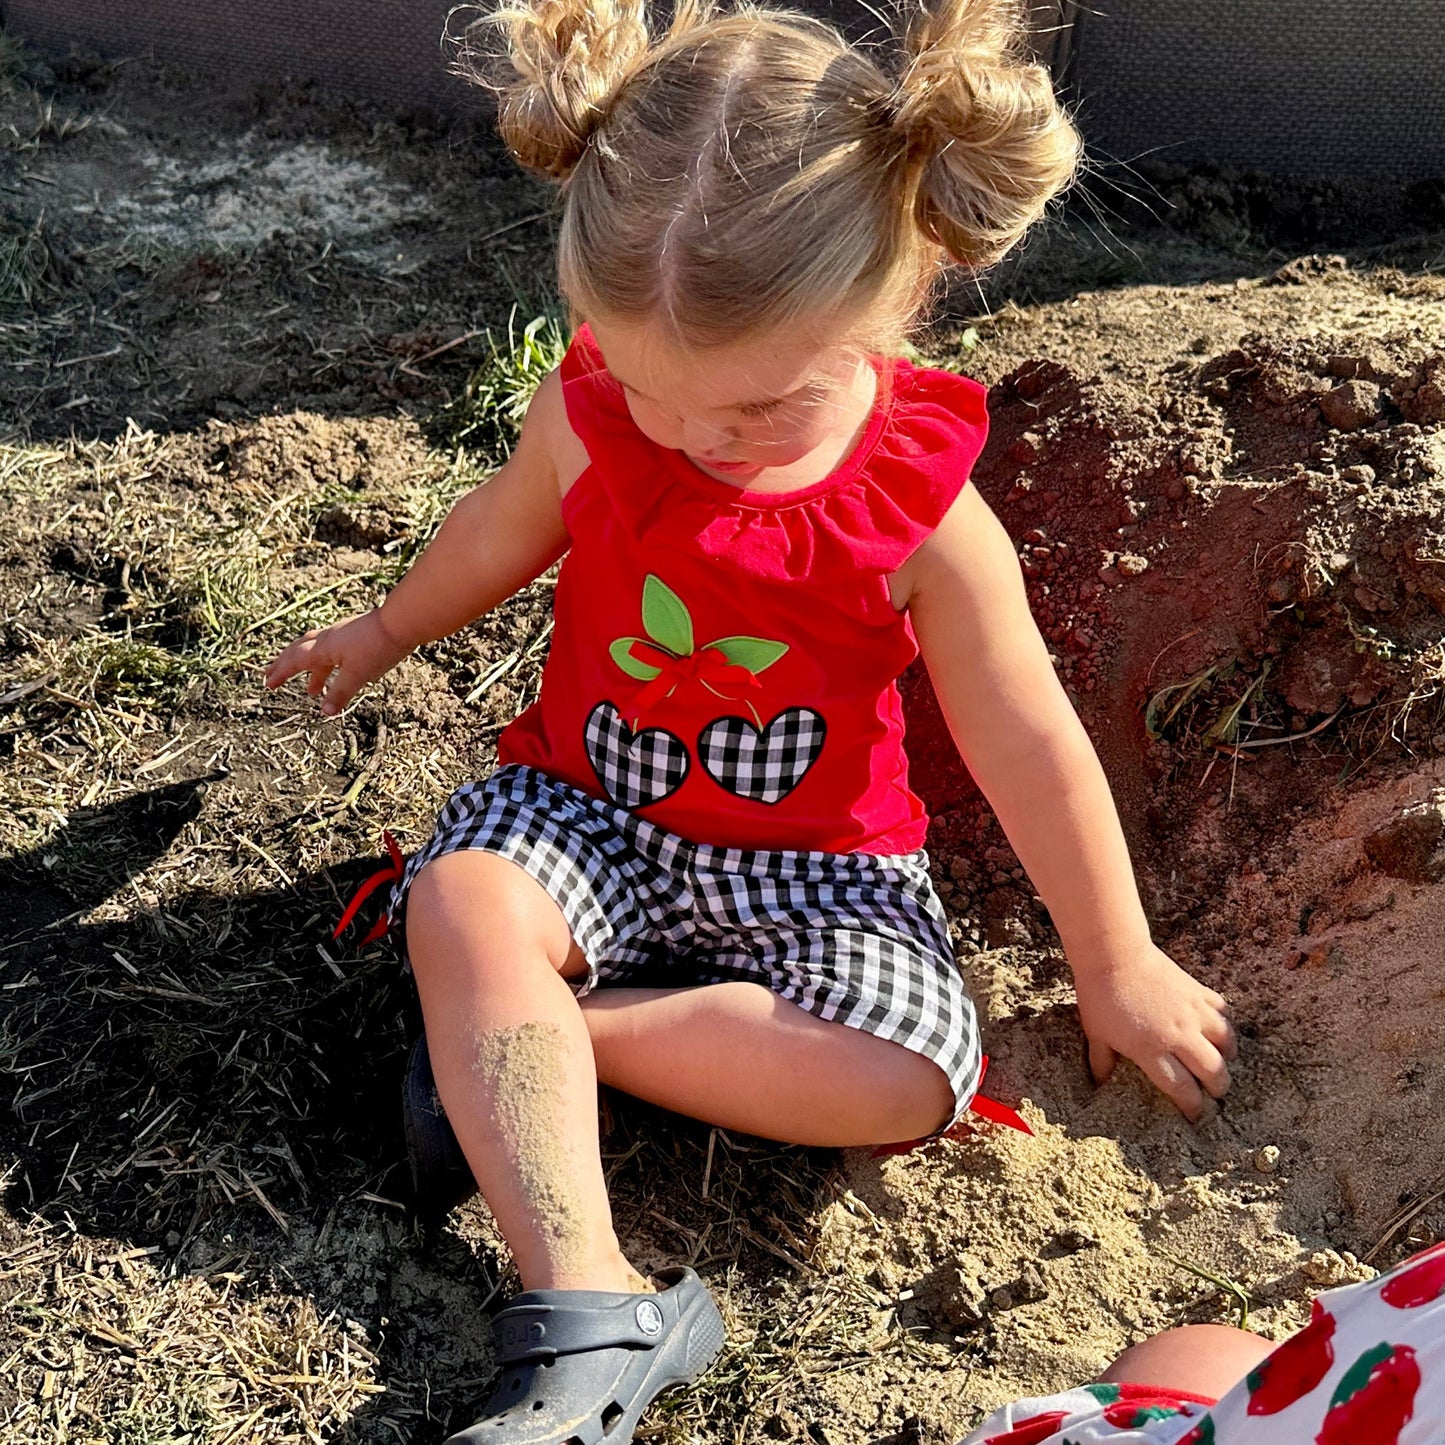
(1039, 1259)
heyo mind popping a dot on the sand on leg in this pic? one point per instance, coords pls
(513, 1062)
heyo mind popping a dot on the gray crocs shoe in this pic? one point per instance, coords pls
(580, 1366)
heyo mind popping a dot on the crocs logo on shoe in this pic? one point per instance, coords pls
(649, 1318)
(522, 1334)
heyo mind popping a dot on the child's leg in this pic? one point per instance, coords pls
(737, 1055)
(513, 1064)
(1206, 1360)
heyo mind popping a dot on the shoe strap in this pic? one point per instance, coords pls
(541, 1329)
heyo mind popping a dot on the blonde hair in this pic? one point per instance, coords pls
(749, 169)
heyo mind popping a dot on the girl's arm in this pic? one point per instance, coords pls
(498, 537)
(1028, 752)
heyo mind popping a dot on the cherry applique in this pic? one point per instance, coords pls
(1421, 1282)
(1031, 1431)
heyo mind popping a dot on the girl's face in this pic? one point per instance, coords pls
(737, 411)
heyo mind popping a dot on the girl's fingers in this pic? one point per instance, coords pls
(1173, 1078)
(1207, 1065)
(321, 670)
(1101, 1061)
(342, 689)
(291, 660)
(285, 667)
(1220, 1032)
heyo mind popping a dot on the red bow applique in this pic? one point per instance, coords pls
(708, 666)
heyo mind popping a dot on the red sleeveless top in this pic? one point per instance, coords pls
(725, 662)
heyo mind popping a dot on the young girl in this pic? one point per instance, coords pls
(696, 874)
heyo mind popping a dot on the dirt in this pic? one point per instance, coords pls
(236, 336)
(197, 251)
(1046, 1256)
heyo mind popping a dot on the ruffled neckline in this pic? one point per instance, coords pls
(868, 515)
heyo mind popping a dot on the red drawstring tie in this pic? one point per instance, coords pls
(709, 667)
(984, 1108)
(391, 873)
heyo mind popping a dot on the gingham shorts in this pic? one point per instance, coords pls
(855, 938)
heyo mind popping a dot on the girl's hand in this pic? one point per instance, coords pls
(340, 659)
(1144, 1006)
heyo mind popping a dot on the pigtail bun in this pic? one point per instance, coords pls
(991, 142)
(561, 64)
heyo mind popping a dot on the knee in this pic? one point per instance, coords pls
(479, 906)
(920, 1096)
(1203, 1359)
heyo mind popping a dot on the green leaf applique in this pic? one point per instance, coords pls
(753, 653)
(665, 616)
(621, 651)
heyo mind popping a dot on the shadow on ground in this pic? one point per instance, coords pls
(214, 1087)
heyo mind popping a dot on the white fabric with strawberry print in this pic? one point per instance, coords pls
(1369, 1369)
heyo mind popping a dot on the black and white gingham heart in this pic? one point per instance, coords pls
(634, 768)
(762, 765)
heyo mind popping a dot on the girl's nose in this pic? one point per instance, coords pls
(699, 436)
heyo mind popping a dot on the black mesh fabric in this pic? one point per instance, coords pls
(1333, 88)
(373, 49)
(1342, 89)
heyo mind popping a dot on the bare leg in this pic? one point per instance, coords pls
(737, 1055)
(513, 1064)
(1206, 1360)
(517, 1064)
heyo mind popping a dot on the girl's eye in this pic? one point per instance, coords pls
(805, 397)
(762, 408)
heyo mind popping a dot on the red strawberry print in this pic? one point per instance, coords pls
(1421, 1282)
(1031, 1431)
(1201, 1434)
(1374, 1400)
(1295, 1368)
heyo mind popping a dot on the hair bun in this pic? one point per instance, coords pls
(994, 144)
(556, 72)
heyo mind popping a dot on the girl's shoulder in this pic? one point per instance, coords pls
(548, 430)
(933, 427)
(593, 404)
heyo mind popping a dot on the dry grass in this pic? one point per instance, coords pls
(25, 265)
(203, 1236)
(106, 1348)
